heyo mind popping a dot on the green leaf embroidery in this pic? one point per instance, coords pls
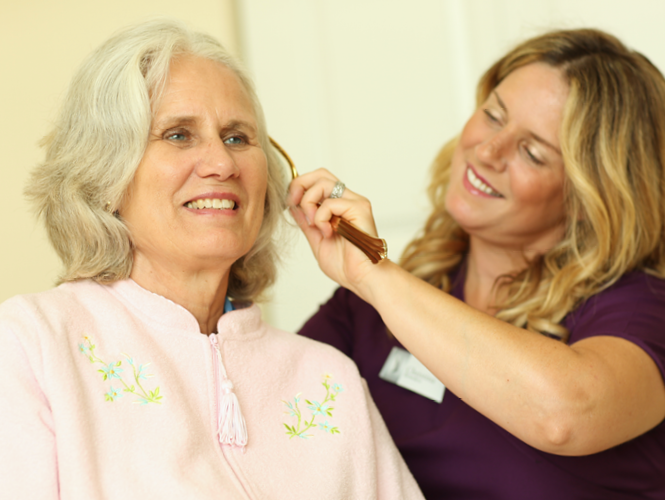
(302, 425)
(113, 370)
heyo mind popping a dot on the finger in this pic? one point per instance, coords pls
(312, 233)
(358, 211)
(310, 178)
(320, 192)
(304, 182)
(295, 194)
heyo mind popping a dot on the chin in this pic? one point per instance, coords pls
(458, 208)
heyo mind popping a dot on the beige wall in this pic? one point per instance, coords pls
(42, 42)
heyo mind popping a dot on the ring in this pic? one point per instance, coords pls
(338, 190)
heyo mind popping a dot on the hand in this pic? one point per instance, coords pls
(339, 259)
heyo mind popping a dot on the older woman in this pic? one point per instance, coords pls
(148, 373)
(535, 293)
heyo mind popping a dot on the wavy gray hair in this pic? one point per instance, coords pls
(99, 139)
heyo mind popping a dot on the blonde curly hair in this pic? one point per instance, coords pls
(99, 139)
(613, 147)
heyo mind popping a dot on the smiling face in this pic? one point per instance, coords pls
(196, 201)
(507, 174)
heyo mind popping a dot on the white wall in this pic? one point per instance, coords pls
(370, 89)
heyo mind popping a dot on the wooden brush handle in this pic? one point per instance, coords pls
(376, 249)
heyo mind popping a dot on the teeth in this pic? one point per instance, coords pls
(480, 185)
(212, 203)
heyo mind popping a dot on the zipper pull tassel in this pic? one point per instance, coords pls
(231, 427)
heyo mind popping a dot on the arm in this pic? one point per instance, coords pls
(568, 400)
(28, 455)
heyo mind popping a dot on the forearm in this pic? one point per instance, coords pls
(557, 398)
(569, 400)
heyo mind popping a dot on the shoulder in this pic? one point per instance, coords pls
(633, 306)
(343, 321)
(306, 351)
(54, 299)
(31, 315)
(345, 303)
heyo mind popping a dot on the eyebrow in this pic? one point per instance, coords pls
(169, 121)
(502, 105)
(175, 120)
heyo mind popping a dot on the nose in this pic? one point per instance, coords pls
(494, 150)
(217, 161)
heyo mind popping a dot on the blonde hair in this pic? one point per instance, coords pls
(99, 139)
(613, 147)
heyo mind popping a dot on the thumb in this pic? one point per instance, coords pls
(312, 233)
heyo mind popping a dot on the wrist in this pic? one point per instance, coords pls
(377, 281)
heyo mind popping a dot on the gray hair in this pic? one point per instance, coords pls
(99, 139)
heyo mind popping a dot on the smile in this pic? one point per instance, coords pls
(480, 185)
(212, 203)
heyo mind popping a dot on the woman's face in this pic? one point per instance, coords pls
(198, 195)
(507, 176)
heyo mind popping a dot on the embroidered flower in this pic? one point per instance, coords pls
(301, 426)
(141, 373)
(291, 410)
(113, 371)
(318, 409)
(113, 394)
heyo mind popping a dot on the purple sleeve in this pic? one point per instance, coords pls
(333, 323)
(633, 309)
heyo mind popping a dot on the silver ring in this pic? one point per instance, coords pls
(338, 190)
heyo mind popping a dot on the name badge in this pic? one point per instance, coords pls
(403, 369)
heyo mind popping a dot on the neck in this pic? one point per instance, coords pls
(201, 292)
(485, 263)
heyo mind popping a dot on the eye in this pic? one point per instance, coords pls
(532, 157)
(491, 116)
(176, 135)
(236, 140)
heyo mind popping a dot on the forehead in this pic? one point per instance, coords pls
(196, 85)
(537, 82)
(535, 95)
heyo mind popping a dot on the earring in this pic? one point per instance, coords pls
(114, 213)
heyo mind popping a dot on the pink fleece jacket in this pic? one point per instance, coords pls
(111, 392)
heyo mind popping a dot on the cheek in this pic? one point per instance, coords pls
(162, 172)
(258, 176)
(473, 131)
(538, 190)
(458, 163)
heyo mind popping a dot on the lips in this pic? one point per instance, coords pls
(215, 201)
(481, 184)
